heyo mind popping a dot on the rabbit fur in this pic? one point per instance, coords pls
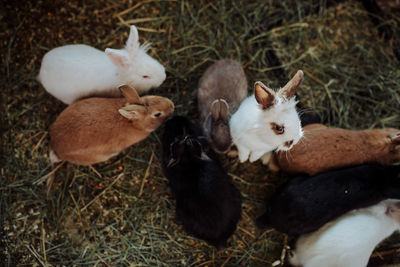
(267, 121)
(73, 72)
(221, 89)
(350, 239)
(93, 130)
(304, 204)
(207, 202)
(324, 148)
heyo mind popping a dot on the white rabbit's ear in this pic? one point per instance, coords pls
(133, 40)
(289, 89)
(119, 57)
(219, 109)
(264, 96)
(130, 94)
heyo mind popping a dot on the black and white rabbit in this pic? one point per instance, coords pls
(304, 204)
(207, 203)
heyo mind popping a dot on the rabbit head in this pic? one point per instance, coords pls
(185, 141)
(218, 123)
(281, 124)
(146, 112)
(135, 65)
(187, 148)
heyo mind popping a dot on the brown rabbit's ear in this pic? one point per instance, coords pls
(130, 94)
(131, 111)
(290, 88)
(219, 109)
(264, 95)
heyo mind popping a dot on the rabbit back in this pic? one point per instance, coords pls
(71, 72)
(209, 210)
(225, 79)
(92, 130)
(304, 204)
(327, 148)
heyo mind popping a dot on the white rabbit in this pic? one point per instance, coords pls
(267, 121)
(349, 240)
(71, 72)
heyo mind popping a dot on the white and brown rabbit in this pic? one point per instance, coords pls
(95, 129)
(221, 89)
(267, 121)
(72, 72)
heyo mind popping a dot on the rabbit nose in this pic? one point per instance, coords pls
(288, 143)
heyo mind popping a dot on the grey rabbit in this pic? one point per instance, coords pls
(221, 89)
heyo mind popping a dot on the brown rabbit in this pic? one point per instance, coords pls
(95, 129)
(222, 88)
(324, 149)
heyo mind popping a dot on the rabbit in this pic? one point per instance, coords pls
(267, 121)
(350, 239)
(324, 148)
(95, 129)
(221, 89)
(72, 72)
(207, 202)
(304, 204)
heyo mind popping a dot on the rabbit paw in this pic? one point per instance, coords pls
(265, 159)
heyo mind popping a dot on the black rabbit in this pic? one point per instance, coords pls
(207, 203)
(304, 204)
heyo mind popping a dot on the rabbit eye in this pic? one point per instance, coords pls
(156, 115)
(145, 77)
(278, 129)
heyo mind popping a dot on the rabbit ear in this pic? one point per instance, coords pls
(133, 40)
(172, 162)
(131, 111)
(118, 57)
(204, 156)
(264, 96)
(219, 109)
(130, 94)
(290, 88)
